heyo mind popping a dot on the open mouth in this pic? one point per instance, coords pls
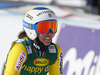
(47, 38)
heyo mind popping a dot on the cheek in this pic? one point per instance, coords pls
(41, 37)
(52, 35)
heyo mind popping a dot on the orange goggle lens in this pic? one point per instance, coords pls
(44, 27)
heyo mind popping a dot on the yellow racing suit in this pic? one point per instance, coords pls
(22, 60)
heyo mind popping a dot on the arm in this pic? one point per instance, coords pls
(57, 67)
(15, 59)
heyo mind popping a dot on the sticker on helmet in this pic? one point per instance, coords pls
(29, 16)
(44, 12)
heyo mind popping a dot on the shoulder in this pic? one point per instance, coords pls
(19, 44)
(58, 48)
(22, 40)
(18, 47)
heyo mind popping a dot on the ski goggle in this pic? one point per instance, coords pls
(43, 27)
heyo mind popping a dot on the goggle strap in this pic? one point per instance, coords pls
(29, 26)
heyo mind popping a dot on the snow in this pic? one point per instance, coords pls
(10, 27)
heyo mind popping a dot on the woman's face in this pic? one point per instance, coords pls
(46, 39)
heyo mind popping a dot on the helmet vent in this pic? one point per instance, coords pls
(30, 32)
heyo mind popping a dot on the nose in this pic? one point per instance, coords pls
(50, 32)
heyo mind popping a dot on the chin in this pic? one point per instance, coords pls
(46, 44)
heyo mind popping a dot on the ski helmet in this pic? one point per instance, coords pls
(34, 16)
